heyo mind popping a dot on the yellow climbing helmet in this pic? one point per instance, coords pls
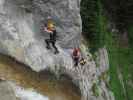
(50, 24)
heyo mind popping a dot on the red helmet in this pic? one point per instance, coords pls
(76, 49)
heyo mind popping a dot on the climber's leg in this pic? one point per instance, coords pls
(76, 61)
(56, 49)
(47, 43)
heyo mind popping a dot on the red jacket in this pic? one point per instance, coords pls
(76, 52)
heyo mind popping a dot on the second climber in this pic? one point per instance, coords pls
(76, 56)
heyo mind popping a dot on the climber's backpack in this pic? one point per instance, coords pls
(82, 61)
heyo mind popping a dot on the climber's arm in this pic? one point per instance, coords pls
(46, 30)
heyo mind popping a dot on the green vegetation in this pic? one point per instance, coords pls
(95, 89)
(95, 28)
(91, 15)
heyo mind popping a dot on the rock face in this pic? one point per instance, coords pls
(21, 34)
(21, 37)
(102, 61)
(6, 91)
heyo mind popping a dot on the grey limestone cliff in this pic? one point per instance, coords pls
(21, 37)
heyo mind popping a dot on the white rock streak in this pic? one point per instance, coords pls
(27, 94)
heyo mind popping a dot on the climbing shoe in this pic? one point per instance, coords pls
(56, 52)
(48, 47)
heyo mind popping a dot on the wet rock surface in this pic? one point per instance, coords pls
(26, 84)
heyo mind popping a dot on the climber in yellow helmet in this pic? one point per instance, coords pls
(50, 29)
